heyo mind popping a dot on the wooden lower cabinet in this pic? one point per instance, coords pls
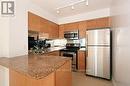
(81, 61)
(17, 79)
(64, 75)
(61, 77)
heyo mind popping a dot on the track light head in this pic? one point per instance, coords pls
(86, 3)
(57, 11)
(72, 7)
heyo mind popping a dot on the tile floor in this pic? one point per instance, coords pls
(80, 79)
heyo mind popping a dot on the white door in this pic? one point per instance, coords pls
(4, 76)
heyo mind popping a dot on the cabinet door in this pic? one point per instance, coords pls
(19, 79)
(81, 61)
(98, 23)
(91, 24)
(44, 26)
(102, 22)
(53, 30)
(64, 75)
(39, 24)
(61, 31)
(67, 27)
(82, 29)
(33, 22)
(71, 26)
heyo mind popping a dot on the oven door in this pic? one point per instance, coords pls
(71, 55)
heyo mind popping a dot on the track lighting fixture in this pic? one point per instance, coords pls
(72, 5)
(87, 2)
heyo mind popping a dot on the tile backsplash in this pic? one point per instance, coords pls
(57, 42)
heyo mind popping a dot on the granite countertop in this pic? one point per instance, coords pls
(34, 66)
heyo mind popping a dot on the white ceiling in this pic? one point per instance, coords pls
(51, 5)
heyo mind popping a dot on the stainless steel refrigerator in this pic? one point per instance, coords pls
(98, 60)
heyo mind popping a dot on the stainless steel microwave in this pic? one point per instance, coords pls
(71, 34)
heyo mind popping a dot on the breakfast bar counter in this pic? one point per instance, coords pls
(38, 70)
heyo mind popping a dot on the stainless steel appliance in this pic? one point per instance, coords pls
(71, 55)
(99, 53)
(71, 52)
(71, 34)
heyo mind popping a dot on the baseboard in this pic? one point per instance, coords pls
(114, 82)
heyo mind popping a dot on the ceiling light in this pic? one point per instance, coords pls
(87, 2)
(58, 11)
(72, 7)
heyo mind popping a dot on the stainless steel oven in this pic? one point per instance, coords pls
(71, 52)
(71, 34)
(71, 55)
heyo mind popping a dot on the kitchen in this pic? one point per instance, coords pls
(65, 31)
(68, 41)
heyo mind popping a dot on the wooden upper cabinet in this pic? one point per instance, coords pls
(82, 29)
(44, 25)
(91, 24)
(53, 30)
(61, 31)
(103, 22)
(39, 24)
(71, 26)
(33, 22)
(98, 23)
(49, 28)
(67, 27)
(84, 25)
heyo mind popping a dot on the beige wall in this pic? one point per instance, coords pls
(120, 10)
(4, 37)
(18, 30)
(14, 30)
